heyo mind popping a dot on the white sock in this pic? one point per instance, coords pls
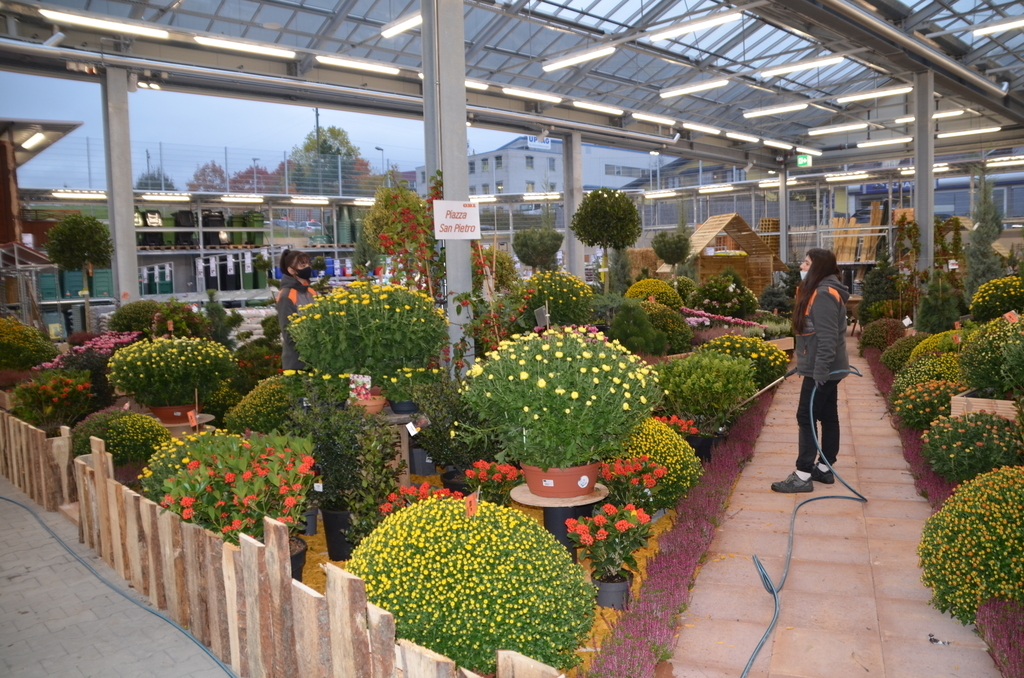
(823, 468)
(803, 475)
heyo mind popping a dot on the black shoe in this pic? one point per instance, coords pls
(820, 476)
(793, 484)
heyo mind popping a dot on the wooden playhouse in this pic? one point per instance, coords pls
(740, 248)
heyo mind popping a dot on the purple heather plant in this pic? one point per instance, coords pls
(1001, 623)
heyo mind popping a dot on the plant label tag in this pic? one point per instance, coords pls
(583, 482)
(956, 325)
(1011, 316)
(956, 338)
(193, 421)
(318, 487)
(212, 262)
(231, 264)
(472, 504)
(548, 482)
(411, 428)
(953, 264)
(907, 322)
(248, 262)
(126, 406)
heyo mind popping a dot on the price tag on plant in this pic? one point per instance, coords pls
(318, 487)
(472, 504)
(907, 322)
(359, 386)
(411, 428)
(1011, 316)
(953, 264)
(193, 421)
(126, 406)
(956, 338)
(956, 325)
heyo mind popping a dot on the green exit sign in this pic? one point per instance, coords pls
(803, 161)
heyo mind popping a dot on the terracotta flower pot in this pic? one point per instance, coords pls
(574, 481)
(372, 405)
(173, 414)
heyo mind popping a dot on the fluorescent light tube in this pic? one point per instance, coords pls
(401, 25)
(968, 132)
(947, 114)
(885, 142)
(715, 188)
(836, 129)
(309, 200)
(774, 183)
(773, 110)
(144, 85)
(1016, 22)
(153, 85)
(807, 151)
(935, 169)
(692, 26)
(1008, 161)
(364, 202)
(701, 128)
(471, 84)
(874, 94)
(82, 195)
(250, 197)
(113, 26)
(690, 89)
(541, 196)
(655, 119)
(742, 137)
(777, 144)
(901, 121)
(597, 107)
(511, 91)
(578, 58)
(167, 197)
(33, 141)
(800, 66)
(249, 47)
(654, 195)
(848, 176)
(483, 198)
(359, 65)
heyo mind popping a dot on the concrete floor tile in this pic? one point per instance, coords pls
(895, 529)
(813, 652)
(831, 550)
(834, 507)
(760, 501)
(886, 475)
(910, 659)
(900, 582)
(869, 458)
(893, 552)
(746, 542)
(687, 670)
(842, 614)
(913, 620)
(902, 492)
(889, 508)
(830, 578)
(721, 644)
(750, 603)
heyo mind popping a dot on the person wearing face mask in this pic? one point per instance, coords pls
(295, 292)
(819, 323)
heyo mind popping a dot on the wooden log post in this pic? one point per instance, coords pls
(312, 637)
(234, 599)
(94, 509)
(60, 452)
(84, 505)
(259, 625)
(465, 673)
(51, 482)
(216, 603)
(193, 545)
(419, 662)
(279, 575)
(116, 513)
(514, 665)
(350, 642)
(381, 625)
(102, 472)
(172, 566)
(154, 554)
(135, 541)
(4, 445)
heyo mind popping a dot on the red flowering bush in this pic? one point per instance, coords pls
(53, 399)
(409, 495)
(633, 481)
(495, 481)
(683, 427)
(228, 483)
(610, 538)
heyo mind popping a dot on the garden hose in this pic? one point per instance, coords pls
(769, 585)
(89, 567)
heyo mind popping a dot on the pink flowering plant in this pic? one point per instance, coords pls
(698, 318)
(610, 538)
(229, 483)
(105, 344)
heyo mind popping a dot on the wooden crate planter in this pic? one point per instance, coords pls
(784, 343)
(965, 402)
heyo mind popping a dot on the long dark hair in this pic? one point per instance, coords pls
(292, 259)
(823, 264)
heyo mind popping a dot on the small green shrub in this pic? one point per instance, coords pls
(942, 367)
(971, 548)
(773, 298)
(676, 329)
(1013, 367)
(722, 296)
(264, 409)
(898, 354)
(662, 292)
(923, 403)
(767, 360)
(959, 448)
(568, 298)
(271, 325)
(881, 334)
(95, 424)
(998, 296)
(221, 400)
(684, 287)
(151, 318)
(982, 355)
(129, 436)
(23, 347)
(707, 387)
(634, 330)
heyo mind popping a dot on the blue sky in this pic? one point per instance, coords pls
(195, 127)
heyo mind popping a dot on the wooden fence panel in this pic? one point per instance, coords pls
(84, 505)
(259, 625)
(312, 642)
(135, 541)
(60, 450)
(154, 554)
(94, 508)
(102, 502)
(514, 665)
(117, 527)
(4, 445)
(193, 546)
(172, 564)
(350, 642)
(279, 576)
(216, 603)
(234, 597)
(419, 662)
(381, 625)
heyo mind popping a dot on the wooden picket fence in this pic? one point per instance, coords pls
(240, 601)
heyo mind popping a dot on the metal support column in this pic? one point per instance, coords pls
(120, 196)
(924, 157)
(444, 113)
(783, 214)
(572, 180)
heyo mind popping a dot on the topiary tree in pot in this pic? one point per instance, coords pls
(672, 248)
(80, 243)
(608, 219)
(537, 247)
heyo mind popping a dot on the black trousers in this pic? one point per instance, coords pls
(826, 411)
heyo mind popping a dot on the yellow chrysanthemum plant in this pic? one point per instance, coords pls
(166, 372)
(369, 329)
(466, 587)
(564, 398)
(664, 446)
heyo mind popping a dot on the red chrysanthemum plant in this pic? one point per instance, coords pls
(610, 539)
(632, 481)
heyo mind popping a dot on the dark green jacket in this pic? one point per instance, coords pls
(821, 347)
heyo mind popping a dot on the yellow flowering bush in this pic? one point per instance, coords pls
(971, 548)
(672, 323)
(664, 446)
(944, 367)
(982, 355)
(173, 456)
(169, 371)
(568, 298)
(961, 447)
(562, 398)
(923, 403)
(467, 587)
(129, 436)
(23, 347)
(662, 292)
(998, 296)
(767, 360)
(900, 352)
(943, 342)
(369, 329)
(263, 409)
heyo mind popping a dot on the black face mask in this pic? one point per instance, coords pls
(304, 273)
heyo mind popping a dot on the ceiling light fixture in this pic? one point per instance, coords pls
(310, 200)
(113, 26)
(873, 94)
(800, 66)
(483, 198)
(578, 58)
(701, 128)
(155, 86)
(968, 132)
(947, 114)
(902, 121)
(80, 195)
(472, 84)
(654, 195)
(401, 25)
(541, 196)
(1016, 22)
(742, 137)
(941, 167)
(690, 89)
(847, 176)
(778, 144)
(654, 118)
(363, 202)
(511, 91)
(808, 151)
(885, 142)
(774, 110)
(167, 197)
(251, 48)
(693, 26)
(598, 107)
(245, 197)
(33, 141)
(774, 183)
(715, 188)
(358, 65)
(836, 129)
(1007, 161)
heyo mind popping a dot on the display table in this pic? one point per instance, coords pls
(178, 430)
(557, 510)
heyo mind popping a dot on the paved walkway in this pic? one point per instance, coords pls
(853, 604)
(57, 619)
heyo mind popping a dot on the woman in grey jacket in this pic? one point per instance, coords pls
(295, 292)
(819, 323)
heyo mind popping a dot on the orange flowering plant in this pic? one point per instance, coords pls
(634, 481)
(610, 538)
(229, 483)
(407, 495)
(683, 427)
(495, 481)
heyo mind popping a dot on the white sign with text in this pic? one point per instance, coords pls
(456, 220)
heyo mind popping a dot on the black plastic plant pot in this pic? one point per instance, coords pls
(336, 526)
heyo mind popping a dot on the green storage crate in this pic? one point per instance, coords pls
(71, 283)
(53, 321)
(256, 280)
(238, 237)
(165, 280)
(49, 287)
(102, 283)
(169, 222)
(254, 219)
(255, 237)
(237, 221)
